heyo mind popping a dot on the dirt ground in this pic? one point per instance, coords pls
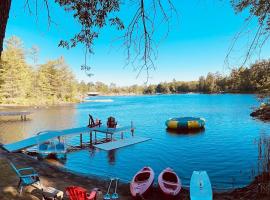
(53, 176)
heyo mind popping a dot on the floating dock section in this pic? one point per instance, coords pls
(121, 143)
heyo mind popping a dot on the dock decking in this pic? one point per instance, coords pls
(23, 114)
(47, 135)
(121, 143)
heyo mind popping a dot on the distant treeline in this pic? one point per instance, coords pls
(255, 79)
(53, 82)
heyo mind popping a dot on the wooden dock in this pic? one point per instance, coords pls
(121, 143)
(48, 135)
(23, 114)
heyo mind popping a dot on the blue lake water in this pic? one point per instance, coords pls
(227, 149)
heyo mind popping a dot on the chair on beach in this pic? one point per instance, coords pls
(111, 123)
(79, 193)
(27, 176)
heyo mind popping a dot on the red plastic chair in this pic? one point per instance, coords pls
(111, 123)
(79, 193)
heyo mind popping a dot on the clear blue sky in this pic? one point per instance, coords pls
(197, 42)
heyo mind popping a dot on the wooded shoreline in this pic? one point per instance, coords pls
(53, 82)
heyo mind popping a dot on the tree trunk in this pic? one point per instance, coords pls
(4, 14)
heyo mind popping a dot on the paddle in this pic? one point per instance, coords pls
(115, 195)
(107, 196)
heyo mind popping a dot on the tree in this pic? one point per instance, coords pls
(173, 86)
(82, 87)
(222, 83)
(183, 87)
(201, 85)
(260, 77)
(44, 80)
(15, 74)
(101, 87)
(55, 81)
(150, 89)
(66, 84)
(210, 83)
(163, 88)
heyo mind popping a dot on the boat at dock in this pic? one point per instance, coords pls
(142, 182)
(52, 149)
(169, 184)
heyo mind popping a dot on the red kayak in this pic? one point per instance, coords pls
(169, 183)
(142, 183)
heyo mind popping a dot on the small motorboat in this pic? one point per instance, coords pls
(142, 183)
(200, 186)
(169, 184)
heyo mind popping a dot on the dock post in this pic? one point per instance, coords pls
(24, 118)
(81, 140)
(21, 118)
(95, 137)
(91, 141)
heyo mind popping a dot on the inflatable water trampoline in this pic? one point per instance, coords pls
(185, 123)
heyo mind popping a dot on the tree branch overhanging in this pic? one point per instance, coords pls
(139, 39)
(261, 11)
(93, 15)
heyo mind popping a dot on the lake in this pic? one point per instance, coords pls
(227, 149)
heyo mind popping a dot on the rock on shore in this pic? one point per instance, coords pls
(262, 113)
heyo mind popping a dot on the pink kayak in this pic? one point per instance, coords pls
(169, 183)
(142, 183)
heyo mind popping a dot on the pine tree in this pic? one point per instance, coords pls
(55, 82)
(15, 74)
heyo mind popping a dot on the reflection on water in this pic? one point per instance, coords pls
(42, 119)
(226, 147)
(111, 156)
(185, 131)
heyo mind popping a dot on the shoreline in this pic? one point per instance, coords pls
(5, 105)
(59, 177)
(157, 94)
(80, 100)
(18, 106)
